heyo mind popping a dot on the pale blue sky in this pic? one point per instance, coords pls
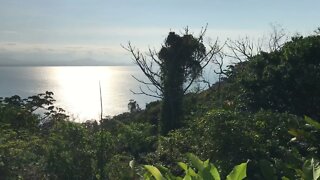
(52, 32)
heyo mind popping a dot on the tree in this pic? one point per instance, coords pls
(179, 63)
(30, 112)
(285, 80)
(133, 106)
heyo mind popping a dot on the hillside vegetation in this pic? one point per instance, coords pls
(265, 111)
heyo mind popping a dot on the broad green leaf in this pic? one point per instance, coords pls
(187, 177)
(191, 172)
(214, 172)
(155, 172)
(147, 175)
(312, 122)
(307, 170)
(267, 170)
(316, 172)
(205, 174)
(183, 166)
(206, 163)
(284, 178)
(311, 169)
(196, 162)
(166, 172)
(163, 169)
(238, 172)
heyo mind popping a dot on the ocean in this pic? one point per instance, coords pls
(76, 88)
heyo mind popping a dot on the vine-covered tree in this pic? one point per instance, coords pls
(179, 62)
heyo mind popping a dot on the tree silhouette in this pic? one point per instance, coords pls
(133, 106)
(171, 72)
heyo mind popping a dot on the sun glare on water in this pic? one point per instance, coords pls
(79, 88)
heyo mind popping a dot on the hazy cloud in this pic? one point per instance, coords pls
(48, 54)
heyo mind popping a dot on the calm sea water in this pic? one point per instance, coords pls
(76, 89)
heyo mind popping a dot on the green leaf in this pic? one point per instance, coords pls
(284, 178)
(183, 166)
(214, 172)
(187, 177)
(196, 162)
(267, 170)
(312, 122)
(147, 176)
(155, 172)
(295, 132)
(163, 169)
(238, 172)
(166, 172)
(205, 174)
(206, 163)
(311, 169)
(299, 134)
(191, 172)
(316, 172)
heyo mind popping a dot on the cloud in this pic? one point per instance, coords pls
(69, 54)
(11, 44)
(10, 32)
(16, 47)
(103, 52)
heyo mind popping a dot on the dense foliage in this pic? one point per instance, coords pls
(203, 170)
(258, 117)
(286, 80)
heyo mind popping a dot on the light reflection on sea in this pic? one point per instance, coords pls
(76, 88)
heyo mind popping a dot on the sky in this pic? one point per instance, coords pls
(91, 32)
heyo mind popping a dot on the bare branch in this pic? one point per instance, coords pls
(206, 82)
(148, 61)
(144, 93)
(245, 48)
(189, 85)
(153, 55)
(155, 91)
(242, 49)
(277, 37)
(220, 61)
(203, 32)
(140, 81)
(145, 66)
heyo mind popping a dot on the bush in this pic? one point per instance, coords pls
(286, 80)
